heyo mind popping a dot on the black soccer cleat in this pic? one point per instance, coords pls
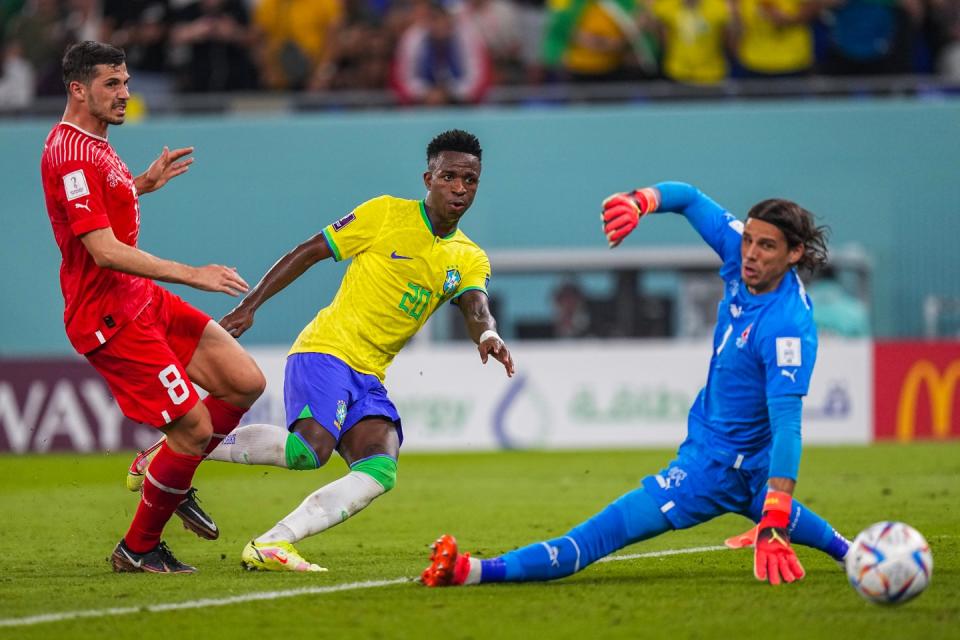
(158, 560)
(196, 519)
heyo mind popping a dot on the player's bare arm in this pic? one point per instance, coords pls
(168, 165)
(785, 485)
(110, 253)
(287, 269)
(483, 329)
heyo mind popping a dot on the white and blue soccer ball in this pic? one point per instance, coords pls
(889, 563)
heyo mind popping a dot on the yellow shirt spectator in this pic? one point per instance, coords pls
(693, 39)
(776, 36)
(297, 35)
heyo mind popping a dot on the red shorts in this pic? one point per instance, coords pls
(145, 362)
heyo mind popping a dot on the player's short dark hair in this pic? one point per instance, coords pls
(798, 226)
(81, 59)
(454, 140)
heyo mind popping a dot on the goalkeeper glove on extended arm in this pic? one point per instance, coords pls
(622, 212)
(773, 557)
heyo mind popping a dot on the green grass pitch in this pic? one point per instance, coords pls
(62, 515)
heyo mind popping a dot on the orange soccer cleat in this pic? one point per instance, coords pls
(448, 568)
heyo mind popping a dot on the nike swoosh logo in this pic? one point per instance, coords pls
(136, 563)
(397, 256)
(210, 524)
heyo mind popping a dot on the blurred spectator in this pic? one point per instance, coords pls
(945, 17)
(363, 47)
(296, 39)
(532, 18)
(211, 39)
(17, 79)
(41, 37)
(141, 29)
(440, 59)
(696, 35)
(596, 40)
(872, 37)
(498, 23)
(836, 311)
(776, 37)
(571, 314)
(84, 20)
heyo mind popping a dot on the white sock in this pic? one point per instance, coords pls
(326, 507)
(254, 444)
(475, 569)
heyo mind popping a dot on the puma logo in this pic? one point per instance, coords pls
(82, 205)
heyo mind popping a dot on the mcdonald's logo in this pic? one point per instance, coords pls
(940, 388)
(917, 390)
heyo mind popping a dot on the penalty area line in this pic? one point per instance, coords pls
(660, 554)
(274, 595)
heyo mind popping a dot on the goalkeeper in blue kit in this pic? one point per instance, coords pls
(742, 450)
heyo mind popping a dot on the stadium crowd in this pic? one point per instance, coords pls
(453, 51)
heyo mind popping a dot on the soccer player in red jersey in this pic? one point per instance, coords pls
(148, 344)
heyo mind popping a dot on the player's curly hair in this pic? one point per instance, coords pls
(81, 59)
(454, 140)
(799, 227)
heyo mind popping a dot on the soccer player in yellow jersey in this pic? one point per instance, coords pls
(408, 258)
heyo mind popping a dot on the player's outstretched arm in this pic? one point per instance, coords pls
(622, 212)
(281, 274)
(110, 253)
(483, 329)
(168, 165)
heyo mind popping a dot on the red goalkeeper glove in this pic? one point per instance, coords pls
(622, 212)
(773, 556)
(745, 539)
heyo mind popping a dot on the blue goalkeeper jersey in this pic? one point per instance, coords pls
(764, 346)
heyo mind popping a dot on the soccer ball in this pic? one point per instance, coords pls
(889, 563)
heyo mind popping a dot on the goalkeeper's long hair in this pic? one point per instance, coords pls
(799, 227)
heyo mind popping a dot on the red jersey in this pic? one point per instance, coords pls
(88, 187)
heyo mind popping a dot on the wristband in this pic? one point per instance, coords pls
(489, 333)
(648, 199)
(776, 509)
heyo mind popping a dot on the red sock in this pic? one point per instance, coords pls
(167, 481)
(225, 418)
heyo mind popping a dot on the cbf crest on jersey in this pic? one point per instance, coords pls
(451, 282)
(341, 414)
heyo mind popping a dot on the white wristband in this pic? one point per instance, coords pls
(489, 333)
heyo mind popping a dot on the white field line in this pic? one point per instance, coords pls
(272, 595)
(660, 554)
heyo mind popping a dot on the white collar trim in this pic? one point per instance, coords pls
(83, 131)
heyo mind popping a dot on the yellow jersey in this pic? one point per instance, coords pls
(694, 39)
(768, 48)
(400, 274)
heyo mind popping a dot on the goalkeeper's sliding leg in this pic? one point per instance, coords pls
(632, 518)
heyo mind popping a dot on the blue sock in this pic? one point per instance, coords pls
(810, 530)
(631, 518)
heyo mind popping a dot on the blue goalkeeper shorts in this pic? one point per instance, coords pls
(695, 488)
(327, 389)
